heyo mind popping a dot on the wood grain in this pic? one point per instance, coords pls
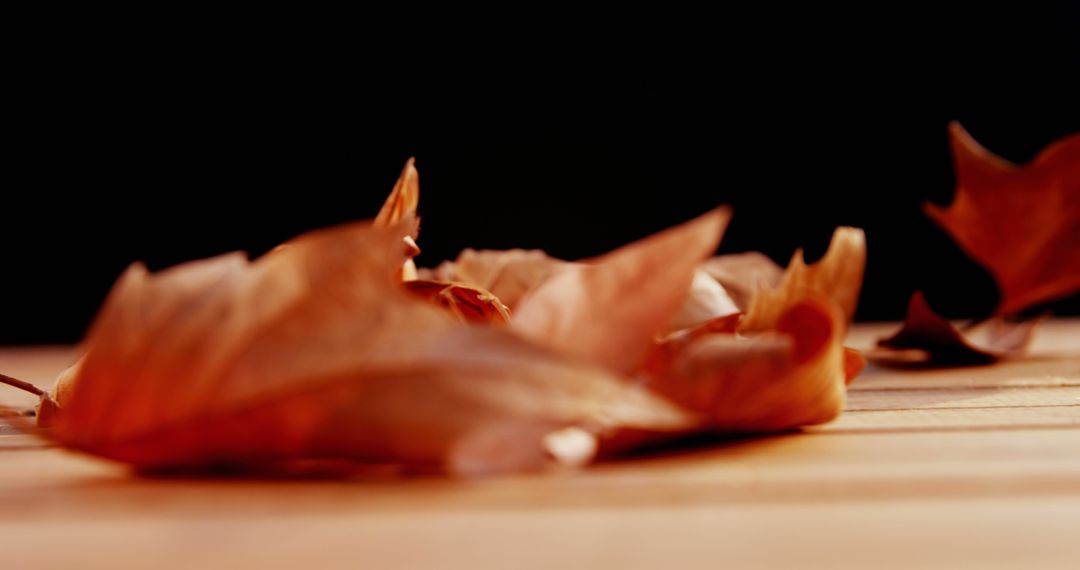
(951, 468)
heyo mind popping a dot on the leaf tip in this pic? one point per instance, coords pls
(970, 157)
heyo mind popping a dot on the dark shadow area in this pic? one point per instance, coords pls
(170, 149)
(689, 445)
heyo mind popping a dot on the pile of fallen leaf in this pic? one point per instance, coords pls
(334, 353)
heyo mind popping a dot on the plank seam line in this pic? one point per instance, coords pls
(963, 388)
(937, 429)
(1005, 407)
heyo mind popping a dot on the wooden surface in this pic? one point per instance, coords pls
(963, 468)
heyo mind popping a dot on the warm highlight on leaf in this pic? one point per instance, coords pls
(1022, 223)
(793, 376)
(837, 276)
(707, 300)
(403, 199)
(610, 309)
(926, 336)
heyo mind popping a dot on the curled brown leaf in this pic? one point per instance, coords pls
(927, 337)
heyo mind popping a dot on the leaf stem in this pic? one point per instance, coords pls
(25, 386)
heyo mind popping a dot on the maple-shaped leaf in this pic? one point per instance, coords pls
(316, 353)
(1020, 222)
(764, 292)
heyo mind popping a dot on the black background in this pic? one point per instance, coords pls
(165, 150)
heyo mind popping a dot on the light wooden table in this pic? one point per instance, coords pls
(963, 468)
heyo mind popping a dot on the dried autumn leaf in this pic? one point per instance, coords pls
(788, 377)
(610, 309)
(769, 296)
(1022, 223)
(315, 353)
(836, 276)
(512, 274)
(509, 274)
(926, 336)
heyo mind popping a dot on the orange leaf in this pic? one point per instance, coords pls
(314, 353)
(837, 276)
(610, 309)
(588, 310)
(1022, 223)
(790, 377)
(512, 274)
